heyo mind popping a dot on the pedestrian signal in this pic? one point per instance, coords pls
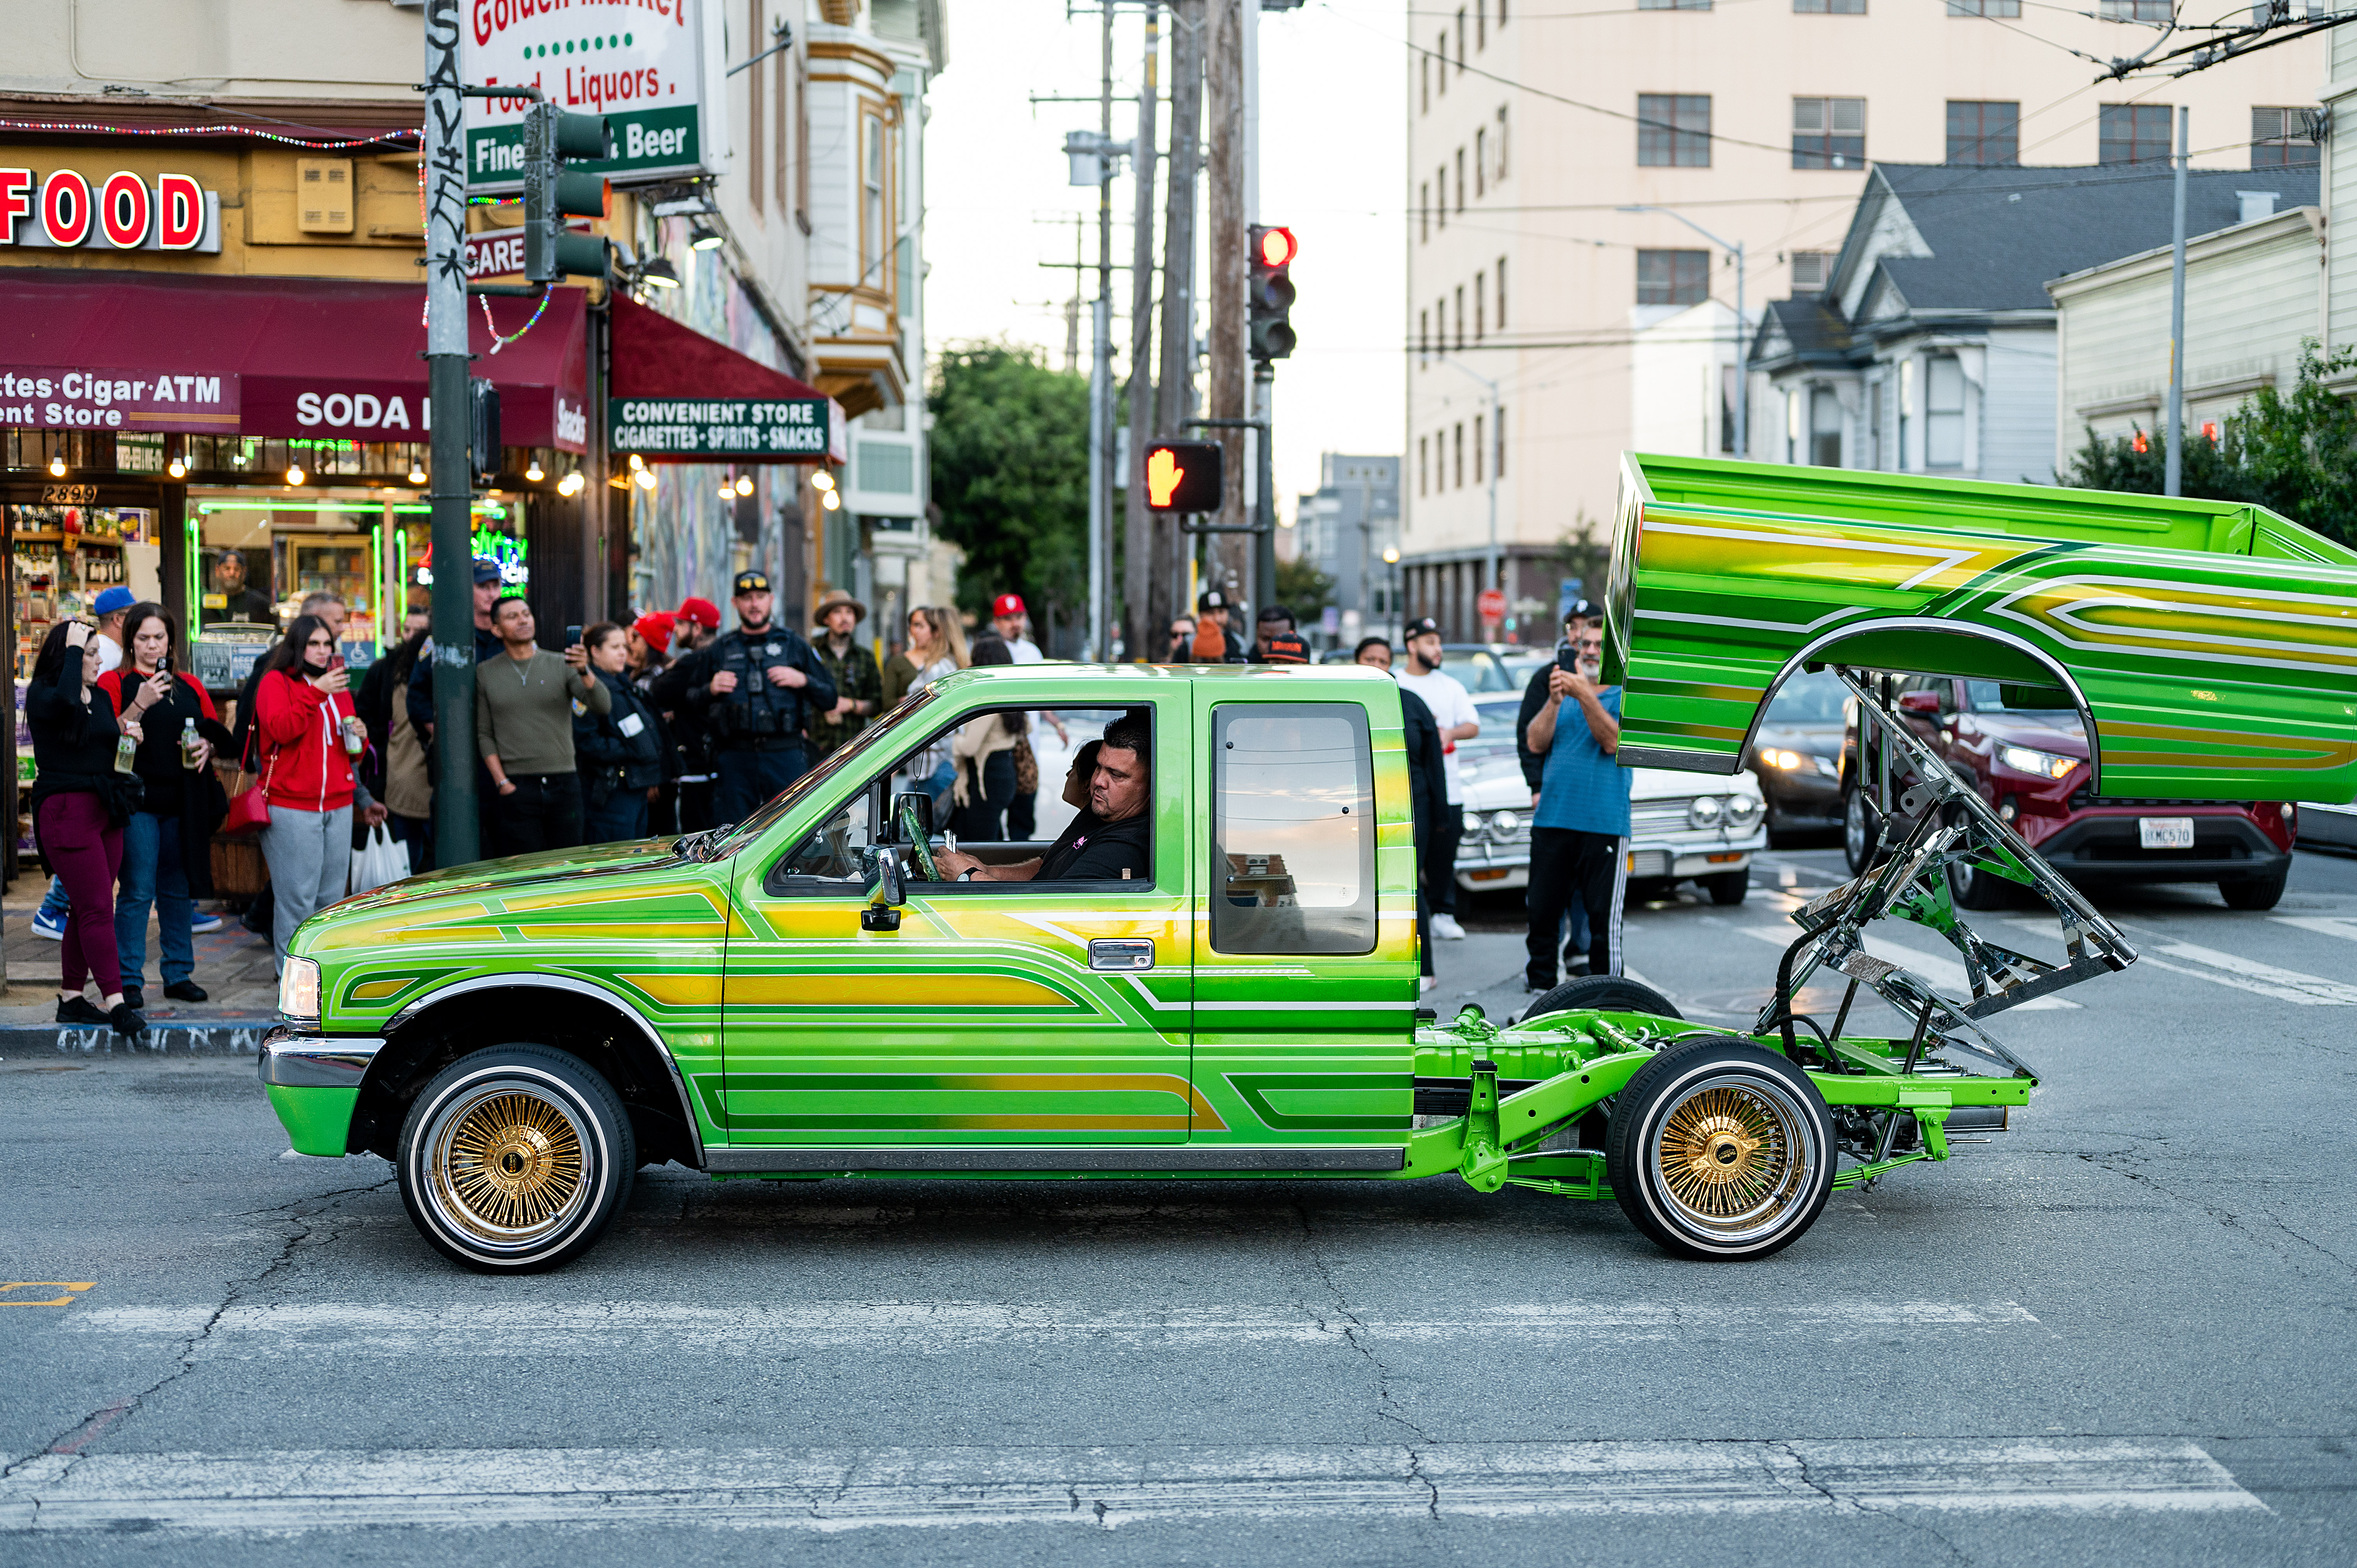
(1271, 293)
(1183, 476)
(552, 193)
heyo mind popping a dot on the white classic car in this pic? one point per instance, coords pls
(1681, 825)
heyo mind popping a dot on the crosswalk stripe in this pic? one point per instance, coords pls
(2330, 925)
(2233, 972)
(1946, 975)
(605, 1328)
(831, 1490)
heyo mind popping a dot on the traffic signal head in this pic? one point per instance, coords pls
(552, 193)
(1271, 293)
(1183, 476)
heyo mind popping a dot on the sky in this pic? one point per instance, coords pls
(1332, 145)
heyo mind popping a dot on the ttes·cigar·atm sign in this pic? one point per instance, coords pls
(66, 210)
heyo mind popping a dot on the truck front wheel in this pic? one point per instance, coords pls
(1719, 1150)
(515, 1159)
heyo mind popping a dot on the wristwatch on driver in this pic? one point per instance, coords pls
(967, 875)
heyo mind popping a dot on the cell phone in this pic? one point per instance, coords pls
(1567, 659)
(164, 664)
(572, 636)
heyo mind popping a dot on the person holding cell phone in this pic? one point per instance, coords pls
(167, 843)
(525, 706)
(310, 740)
(621, 751)
(1579, 827)
(83, 792)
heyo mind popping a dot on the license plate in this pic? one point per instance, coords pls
(2165, 832)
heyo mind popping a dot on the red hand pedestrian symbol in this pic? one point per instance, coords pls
(1162, 475)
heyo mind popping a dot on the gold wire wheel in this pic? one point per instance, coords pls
(507, 1164)
(1735, 1158)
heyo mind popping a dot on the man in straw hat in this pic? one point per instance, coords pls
(858, 683)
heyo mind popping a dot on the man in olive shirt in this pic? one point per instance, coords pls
(524, 704)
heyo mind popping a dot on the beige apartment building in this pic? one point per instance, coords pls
(1530, 129)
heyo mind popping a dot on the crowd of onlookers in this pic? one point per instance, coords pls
(666, 724)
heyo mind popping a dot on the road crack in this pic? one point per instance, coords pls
(1355, 1334)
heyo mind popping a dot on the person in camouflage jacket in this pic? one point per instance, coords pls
(858, 684)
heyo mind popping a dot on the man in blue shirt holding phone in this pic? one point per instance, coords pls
(1579, 831)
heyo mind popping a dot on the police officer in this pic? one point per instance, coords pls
(757, 688)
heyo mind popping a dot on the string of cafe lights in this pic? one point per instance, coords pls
(316, 144)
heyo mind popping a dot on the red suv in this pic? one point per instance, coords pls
(2030, 763)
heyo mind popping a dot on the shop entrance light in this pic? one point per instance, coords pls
(416, 472)
(833, 501)
(571, 485)
(821, 479)
(660, 274)
(728, 487)
(294, 474)
(637, 462)
(646, 477)
(703, 236)
(178, 467)
(57, 467)
(533, 473)
(744, 484)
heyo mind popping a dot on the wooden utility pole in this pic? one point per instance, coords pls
(1138, 553)
(1224, 245)
(1174, 389)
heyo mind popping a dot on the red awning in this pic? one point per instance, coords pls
(652, 356)
(276, 357)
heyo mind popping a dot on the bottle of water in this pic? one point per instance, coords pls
(188, 743)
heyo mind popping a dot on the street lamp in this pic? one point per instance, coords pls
(1391, 559)
(1490, 575)
(1742, 368)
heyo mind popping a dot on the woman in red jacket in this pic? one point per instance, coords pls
(310, 737)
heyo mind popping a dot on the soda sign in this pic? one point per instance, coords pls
(646, 65)
(66, 210)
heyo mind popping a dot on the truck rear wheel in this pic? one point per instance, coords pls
(1721, 1150)
(515, 1159)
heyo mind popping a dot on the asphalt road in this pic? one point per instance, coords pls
(2118, 1332)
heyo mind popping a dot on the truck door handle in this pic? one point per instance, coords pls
(1121, 952)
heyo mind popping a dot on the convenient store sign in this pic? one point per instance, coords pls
(718, 427)
(48, 397)
(646, 65)
(65, 210)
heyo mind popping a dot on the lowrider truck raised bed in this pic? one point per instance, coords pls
(798, 996)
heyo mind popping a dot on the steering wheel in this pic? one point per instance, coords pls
(912, 832)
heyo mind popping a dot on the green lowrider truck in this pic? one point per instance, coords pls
(797, 997)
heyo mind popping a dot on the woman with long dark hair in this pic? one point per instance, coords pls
(167, 842)
(984, 750)
(83, 794)
(309, 739)
(619, 753)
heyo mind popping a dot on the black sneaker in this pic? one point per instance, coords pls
(134, 997)
(80, 1010)
(126, 1020)
(183, 991)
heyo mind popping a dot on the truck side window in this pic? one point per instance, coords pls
(1293, 851)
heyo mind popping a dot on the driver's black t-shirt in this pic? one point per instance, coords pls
(1093, 850)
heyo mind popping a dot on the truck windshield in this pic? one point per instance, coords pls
(1809, 699)
(734, 839)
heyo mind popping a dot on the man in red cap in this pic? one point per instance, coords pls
(1006, 614)
(696, 623)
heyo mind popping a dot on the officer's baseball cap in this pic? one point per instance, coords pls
(1006, 606)
(751, 583)
(1423, 626)
(486, 571)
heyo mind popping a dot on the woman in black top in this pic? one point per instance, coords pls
(80, 803)
(167, 843)
(619, 752)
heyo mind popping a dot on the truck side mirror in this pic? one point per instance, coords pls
(912, 814)
(885, 895)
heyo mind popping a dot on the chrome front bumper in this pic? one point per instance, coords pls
(300, 1059)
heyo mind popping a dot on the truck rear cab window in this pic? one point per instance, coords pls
(1293, 851)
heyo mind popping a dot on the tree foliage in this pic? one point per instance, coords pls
(1302, 588)
(1010, 469)
(2294, 453)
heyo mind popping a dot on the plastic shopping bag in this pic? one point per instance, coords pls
(381, 859)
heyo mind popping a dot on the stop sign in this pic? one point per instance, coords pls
(1492, 604)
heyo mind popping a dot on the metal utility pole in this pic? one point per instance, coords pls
(1093, 645)
(2172, 470)
(1138, 527)
(1175, 383)
(1742, 346)
(1226, 247)
(455, 838)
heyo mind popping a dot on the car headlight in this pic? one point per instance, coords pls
(1742, 810)
(2045, 764)
(1505, 822)
(299, 989)
(1705, 811)
(1775, 757)
(1472, 822)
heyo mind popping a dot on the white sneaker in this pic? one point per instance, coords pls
(1446, 928)
(1429, 982)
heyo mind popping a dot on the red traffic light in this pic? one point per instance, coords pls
(1278, 247)
(1183, 476)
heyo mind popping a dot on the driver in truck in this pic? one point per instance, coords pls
(1111, 840)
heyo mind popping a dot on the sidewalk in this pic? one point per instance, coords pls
(232, 964)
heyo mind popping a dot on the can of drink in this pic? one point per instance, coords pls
(355, 736)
